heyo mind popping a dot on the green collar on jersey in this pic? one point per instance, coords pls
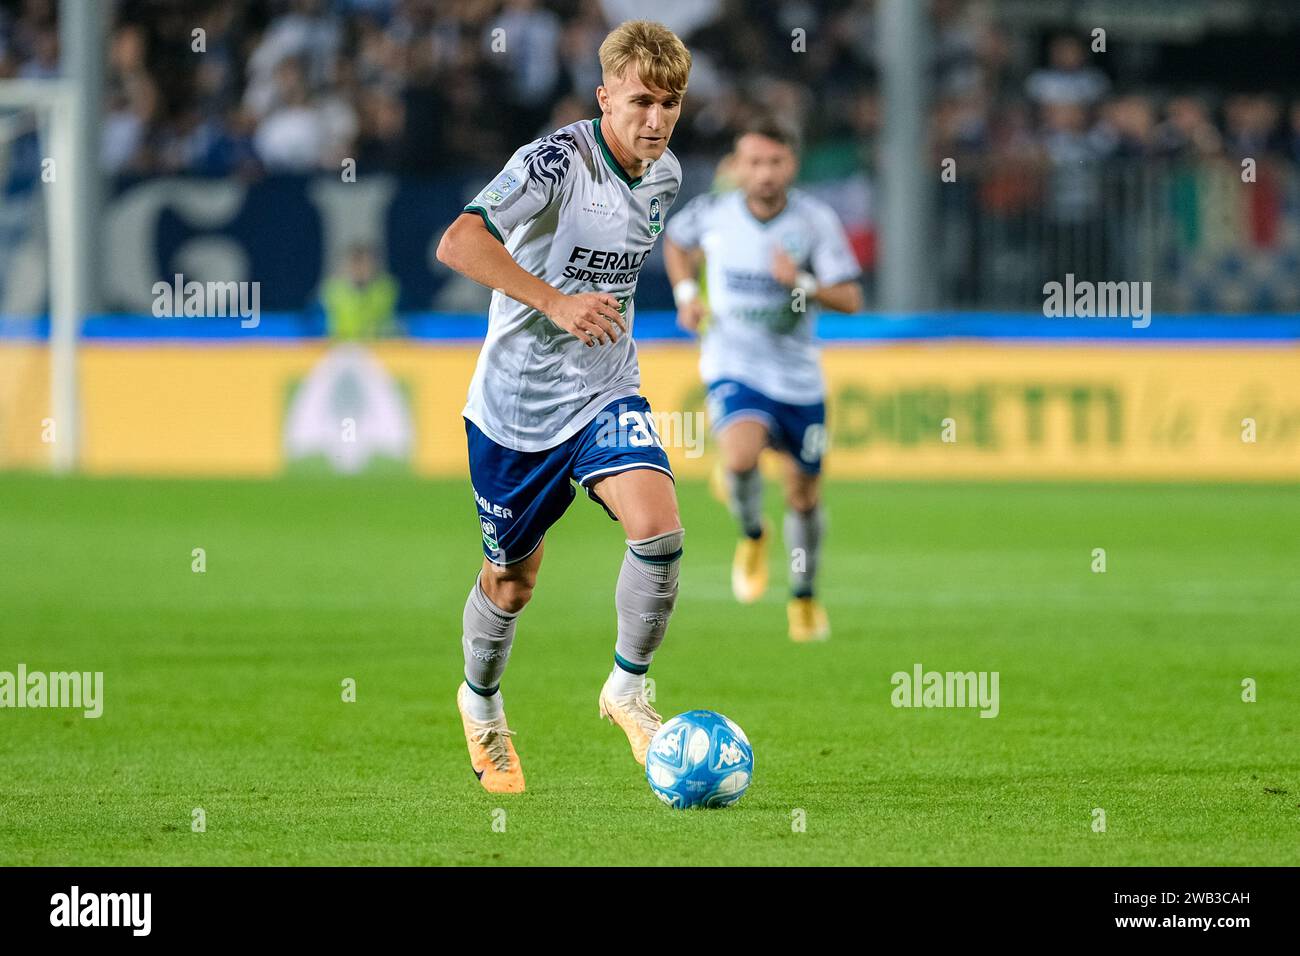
(619, 171)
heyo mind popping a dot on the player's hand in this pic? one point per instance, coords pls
(591, 316)
(784, 270)
(690, 315)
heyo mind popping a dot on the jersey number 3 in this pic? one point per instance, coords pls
(641, 429)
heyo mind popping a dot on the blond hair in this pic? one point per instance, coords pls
(661, 59)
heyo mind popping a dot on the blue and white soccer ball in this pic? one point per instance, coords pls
(699, 759)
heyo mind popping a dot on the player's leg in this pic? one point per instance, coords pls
(495, 601)
(803, 432)
(742, 427)
(645, 502)
(740, 444)
(498, 595)
(624, 468)
(519, 496)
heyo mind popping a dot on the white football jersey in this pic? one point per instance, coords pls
(754, 334)
(569, 214)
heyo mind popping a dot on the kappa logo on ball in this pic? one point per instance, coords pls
(730, 753)
(670, 745)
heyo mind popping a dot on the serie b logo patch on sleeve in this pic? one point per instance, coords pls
(656, 221)
(499, 190)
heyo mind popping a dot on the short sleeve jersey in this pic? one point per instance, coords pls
(755, 335)
(570, 215)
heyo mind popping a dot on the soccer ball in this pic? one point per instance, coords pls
(699, 759)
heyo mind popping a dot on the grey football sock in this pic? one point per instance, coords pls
(489, 632)
(745, 497)
(803, 538)
(644, 597)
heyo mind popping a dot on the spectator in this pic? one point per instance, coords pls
(1252, 125)
(299, 134)
(1068, 80)
(1128, 126)
(1186, 130)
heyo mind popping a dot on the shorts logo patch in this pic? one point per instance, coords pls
(656, 216)
(489, 533)
(500, 189)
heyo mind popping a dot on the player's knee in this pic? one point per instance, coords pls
(740, 461)
(651, 523)
(801, 497)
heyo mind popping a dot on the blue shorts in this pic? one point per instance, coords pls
(520, 494)
(799, 430)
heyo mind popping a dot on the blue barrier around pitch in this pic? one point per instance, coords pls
(661, 326)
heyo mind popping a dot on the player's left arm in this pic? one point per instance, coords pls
(832, 276)
(841, 297)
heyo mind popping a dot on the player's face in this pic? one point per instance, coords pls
(763, 167)
(640, 117)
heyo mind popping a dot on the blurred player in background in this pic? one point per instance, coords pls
(560, 236)
(771, 255)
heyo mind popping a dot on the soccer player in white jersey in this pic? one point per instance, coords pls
(771, 255)
(560, 237)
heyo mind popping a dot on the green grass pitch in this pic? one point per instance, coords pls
(1120, 691)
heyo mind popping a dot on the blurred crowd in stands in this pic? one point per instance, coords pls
(425, 86)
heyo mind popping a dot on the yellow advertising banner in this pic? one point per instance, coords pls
(937, 410)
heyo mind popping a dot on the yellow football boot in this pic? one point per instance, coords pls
(491, 753)
(635, 715)
(808, 621)
(749, 568)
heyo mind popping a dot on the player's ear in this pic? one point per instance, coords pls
(602, 98)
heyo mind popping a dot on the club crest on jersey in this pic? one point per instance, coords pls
(793, 244)
(500, 189)
(656, 216)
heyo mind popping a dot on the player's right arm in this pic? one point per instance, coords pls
(474, 245)
(683, 257)
(475, 253)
